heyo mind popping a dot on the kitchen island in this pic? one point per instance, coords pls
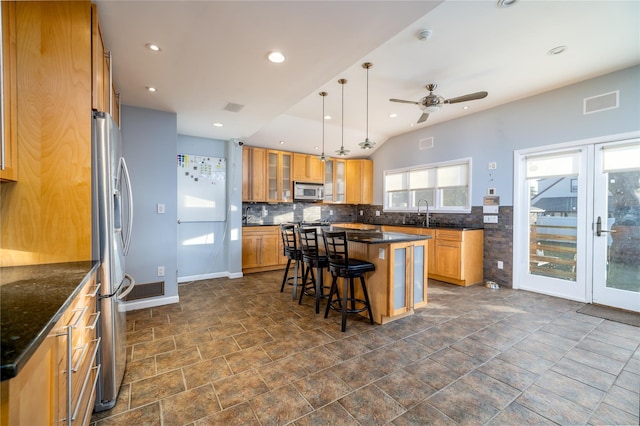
(399, 283)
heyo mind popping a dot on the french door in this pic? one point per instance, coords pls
(577, 222)
(616, 229)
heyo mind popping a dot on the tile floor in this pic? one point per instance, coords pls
(240, 352)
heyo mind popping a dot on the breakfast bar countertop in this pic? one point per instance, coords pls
(32, 300)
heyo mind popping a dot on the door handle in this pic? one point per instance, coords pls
(599, 229)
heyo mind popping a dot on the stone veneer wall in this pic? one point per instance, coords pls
(498, 238)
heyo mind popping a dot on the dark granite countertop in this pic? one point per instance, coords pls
(408, 225)
(32, 300)
(377, 237)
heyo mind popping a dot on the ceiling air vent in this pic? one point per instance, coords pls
(426, 143)
(230, 106)
(601, 102)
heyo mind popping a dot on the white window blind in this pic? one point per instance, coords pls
(559, 164)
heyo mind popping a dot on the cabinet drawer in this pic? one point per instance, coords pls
(448, 235)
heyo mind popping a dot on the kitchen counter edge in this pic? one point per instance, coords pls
(18, 282)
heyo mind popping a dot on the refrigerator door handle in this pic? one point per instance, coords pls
(127, 239)
(132, 284)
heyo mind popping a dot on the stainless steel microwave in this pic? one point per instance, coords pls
(308, 191)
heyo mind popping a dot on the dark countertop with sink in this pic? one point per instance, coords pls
(408, 225)
(32, 299)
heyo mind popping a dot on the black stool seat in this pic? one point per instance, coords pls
(293, 254)
(340, 265)
(312, 259)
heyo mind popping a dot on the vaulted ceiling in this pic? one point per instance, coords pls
(213, 54)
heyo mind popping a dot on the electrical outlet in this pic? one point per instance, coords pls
(160, 208)
(377, 212)
(381, 253)
(361, 212)
(493, 165)
(490, 218)
(330, 212)
(500, 264)
(161, 271)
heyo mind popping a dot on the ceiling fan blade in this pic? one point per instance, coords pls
(402, 101)
(464, 98)
(423, 117)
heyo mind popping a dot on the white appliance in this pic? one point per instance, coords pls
(308, 191)
(113, 209)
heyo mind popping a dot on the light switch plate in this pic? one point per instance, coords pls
(160, 208)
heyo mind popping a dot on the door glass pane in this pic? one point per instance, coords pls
(553, 213)
(418, 274)
(399, 278)
(623, 242)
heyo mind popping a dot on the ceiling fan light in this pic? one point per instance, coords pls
(431, 108)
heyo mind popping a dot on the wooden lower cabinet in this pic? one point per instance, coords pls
(261, 249)
(455, 255)
(44, 392)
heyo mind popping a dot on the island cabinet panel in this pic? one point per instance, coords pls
(399, 283)
(261, 249)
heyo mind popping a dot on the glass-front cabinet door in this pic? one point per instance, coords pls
(328, 181)
(279, 176)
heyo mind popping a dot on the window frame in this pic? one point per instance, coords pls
(438, 206)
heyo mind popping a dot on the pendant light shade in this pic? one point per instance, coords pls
(323, 157)
(342, 152)
(367, 144)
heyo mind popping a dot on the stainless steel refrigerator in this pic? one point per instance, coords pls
(113, 211)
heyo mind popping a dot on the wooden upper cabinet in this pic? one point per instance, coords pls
(9, 160)
(307, 168)
(254, 171)
(104, 96)
(359, 177)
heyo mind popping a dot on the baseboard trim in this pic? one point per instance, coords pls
(226, 274)
(151, 303)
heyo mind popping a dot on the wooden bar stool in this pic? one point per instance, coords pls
(341, 265)
(293, 254)
(312, 259)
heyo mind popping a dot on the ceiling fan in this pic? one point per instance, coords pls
(432, 102)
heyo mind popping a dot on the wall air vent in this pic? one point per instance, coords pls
(230, 106)
(145, 291)
(426, 143)
(601, 102)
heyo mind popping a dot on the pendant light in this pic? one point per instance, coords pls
(323, 157)
(342, 152)
(367, 144)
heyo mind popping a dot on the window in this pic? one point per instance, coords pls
(445, 186)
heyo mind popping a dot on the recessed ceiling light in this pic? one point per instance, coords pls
(281, 142)
(276, 57)
(151, 89)
(465, 107)
(153, 47)
(412, 124)
(557, 50)
(315, 147)
(506, 3)
(393, 115)
(218, 124)
(327, 117)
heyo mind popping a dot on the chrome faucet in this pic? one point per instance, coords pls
(426, 216)
(245, 217)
